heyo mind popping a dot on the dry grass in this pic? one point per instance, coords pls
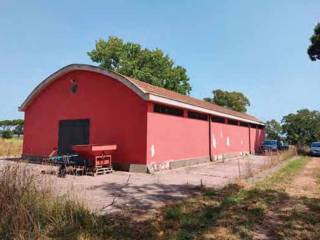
(239, 213)
(283, 177)
(29, 210)
(274, 158)
(287, 154)
(11, 147)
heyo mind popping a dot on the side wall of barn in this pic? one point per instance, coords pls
(173, 138)
(117, 116)
(229, 139)
(257, 137)
(174, 141)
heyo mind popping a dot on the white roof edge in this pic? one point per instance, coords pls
(160, 99)
(138, 90)
(73, 67)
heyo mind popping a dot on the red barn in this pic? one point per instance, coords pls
(153, 127)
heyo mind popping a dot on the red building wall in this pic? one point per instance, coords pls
(254, 139)
(229, 138)
(176, 138)
(260, 135)
(117, 115)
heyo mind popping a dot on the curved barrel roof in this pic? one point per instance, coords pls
(148, 92)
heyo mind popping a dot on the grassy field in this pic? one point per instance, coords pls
(283, 176)
(240, 213)
(234, 212)
(10, 147)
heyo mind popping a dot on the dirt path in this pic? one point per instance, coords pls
(305, 184)
(291, 212)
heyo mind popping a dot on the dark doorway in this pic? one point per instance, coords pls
(72, 132)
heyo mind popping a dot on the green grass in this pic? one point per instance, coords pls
(284, 175)
(235, 213)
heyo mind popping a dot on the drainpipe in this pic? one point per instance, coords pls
(210, 144)
(249, 128)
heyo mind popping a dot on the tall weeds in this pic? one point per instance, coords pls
(10, 147)
(31, 211)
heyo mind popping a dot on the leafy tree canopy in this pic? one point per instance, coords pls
(131, 59)
(18, 130)
(7, 134)
(11, 123)
(273, 130)
(10, 127)
(314, 48)
(303, 127)
(233, 100)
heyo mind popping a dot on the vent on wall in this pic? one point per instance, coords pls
(244, 124)
(196, 115)
(167, 110)
(232, 122)
(218, 119)
(74, 87)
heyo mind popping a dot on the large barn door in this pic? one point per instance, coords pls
(72, 132)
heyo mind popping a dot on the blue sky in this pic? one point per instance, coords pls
(256, 47)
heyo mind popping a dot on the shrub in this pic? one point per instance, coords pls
(173, 213)
(7, 134)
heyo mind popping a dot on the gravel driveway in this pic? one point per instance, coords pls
(142, 192)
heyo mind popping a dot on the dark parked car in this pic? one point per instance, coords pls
(270, 145)
(315, 149)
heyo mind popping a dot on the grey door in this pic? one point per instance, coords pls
(72, 132)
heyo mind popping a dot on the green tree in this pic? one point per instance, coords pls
(233, 100)
(151, 66)
(18, 130)
(14, 126)
(302, 128)
(314, 48)
(7, 134)
(5, 124)
(273, 130)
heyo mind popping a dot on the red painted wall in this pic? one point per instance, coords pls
(117, 115)
(229, 138)
(176, 138)
(260, 136)
(257, 138)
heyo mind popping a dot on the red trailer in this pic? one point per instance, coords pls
(99, 157)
